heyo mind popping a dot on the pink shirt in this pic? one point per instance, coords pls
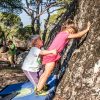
(58, 43)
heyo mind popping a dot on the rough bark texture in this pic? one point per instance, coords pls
(81, 80)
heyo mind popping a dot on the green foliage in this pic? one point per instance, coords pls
(12, 26)
(33, 8)
(28, 29)
(56, 16)
(9, 19)
(66, 1)
(9, 23)
(11, 6)
(24, 33)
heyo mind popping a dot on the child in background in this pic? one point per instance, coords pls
(32, 64)
(68, 31)
(11, 52)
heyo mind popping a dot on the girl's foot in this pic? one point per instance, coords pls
(40, 93)
(46, 87)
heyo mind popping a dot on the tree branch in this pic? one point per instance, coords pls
(27, 3)
(45, 25)
(28, 6)
(26, 11)
(49, 6)
(57, 9)
(20, 7)
(38, 19)
(12, 4)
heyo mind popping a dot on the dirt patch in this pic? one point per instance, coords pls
(11, 75)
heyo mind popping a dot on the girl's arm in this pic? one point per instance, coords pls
(81, 33)
(45, 52)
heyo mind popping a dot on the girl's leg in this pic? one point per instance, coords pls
(32, 76)
(47, 72)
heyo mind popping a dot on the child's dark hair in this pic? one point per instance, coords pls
(69, 24)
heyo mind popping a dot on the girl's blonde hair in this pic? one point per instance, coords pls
(34, 37)
(69, 24)
(32, 40)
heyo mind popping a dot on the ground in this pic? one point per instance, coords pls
(10, 75)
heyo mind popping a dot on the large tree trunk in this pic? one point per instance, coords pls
(81, 80)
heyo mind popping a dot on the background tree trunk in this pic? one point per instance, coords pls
(81, 80)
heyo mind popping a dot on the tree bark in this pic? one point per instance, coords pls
(38, 18)
(33, 25)
(45, 26)
(81, 80)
